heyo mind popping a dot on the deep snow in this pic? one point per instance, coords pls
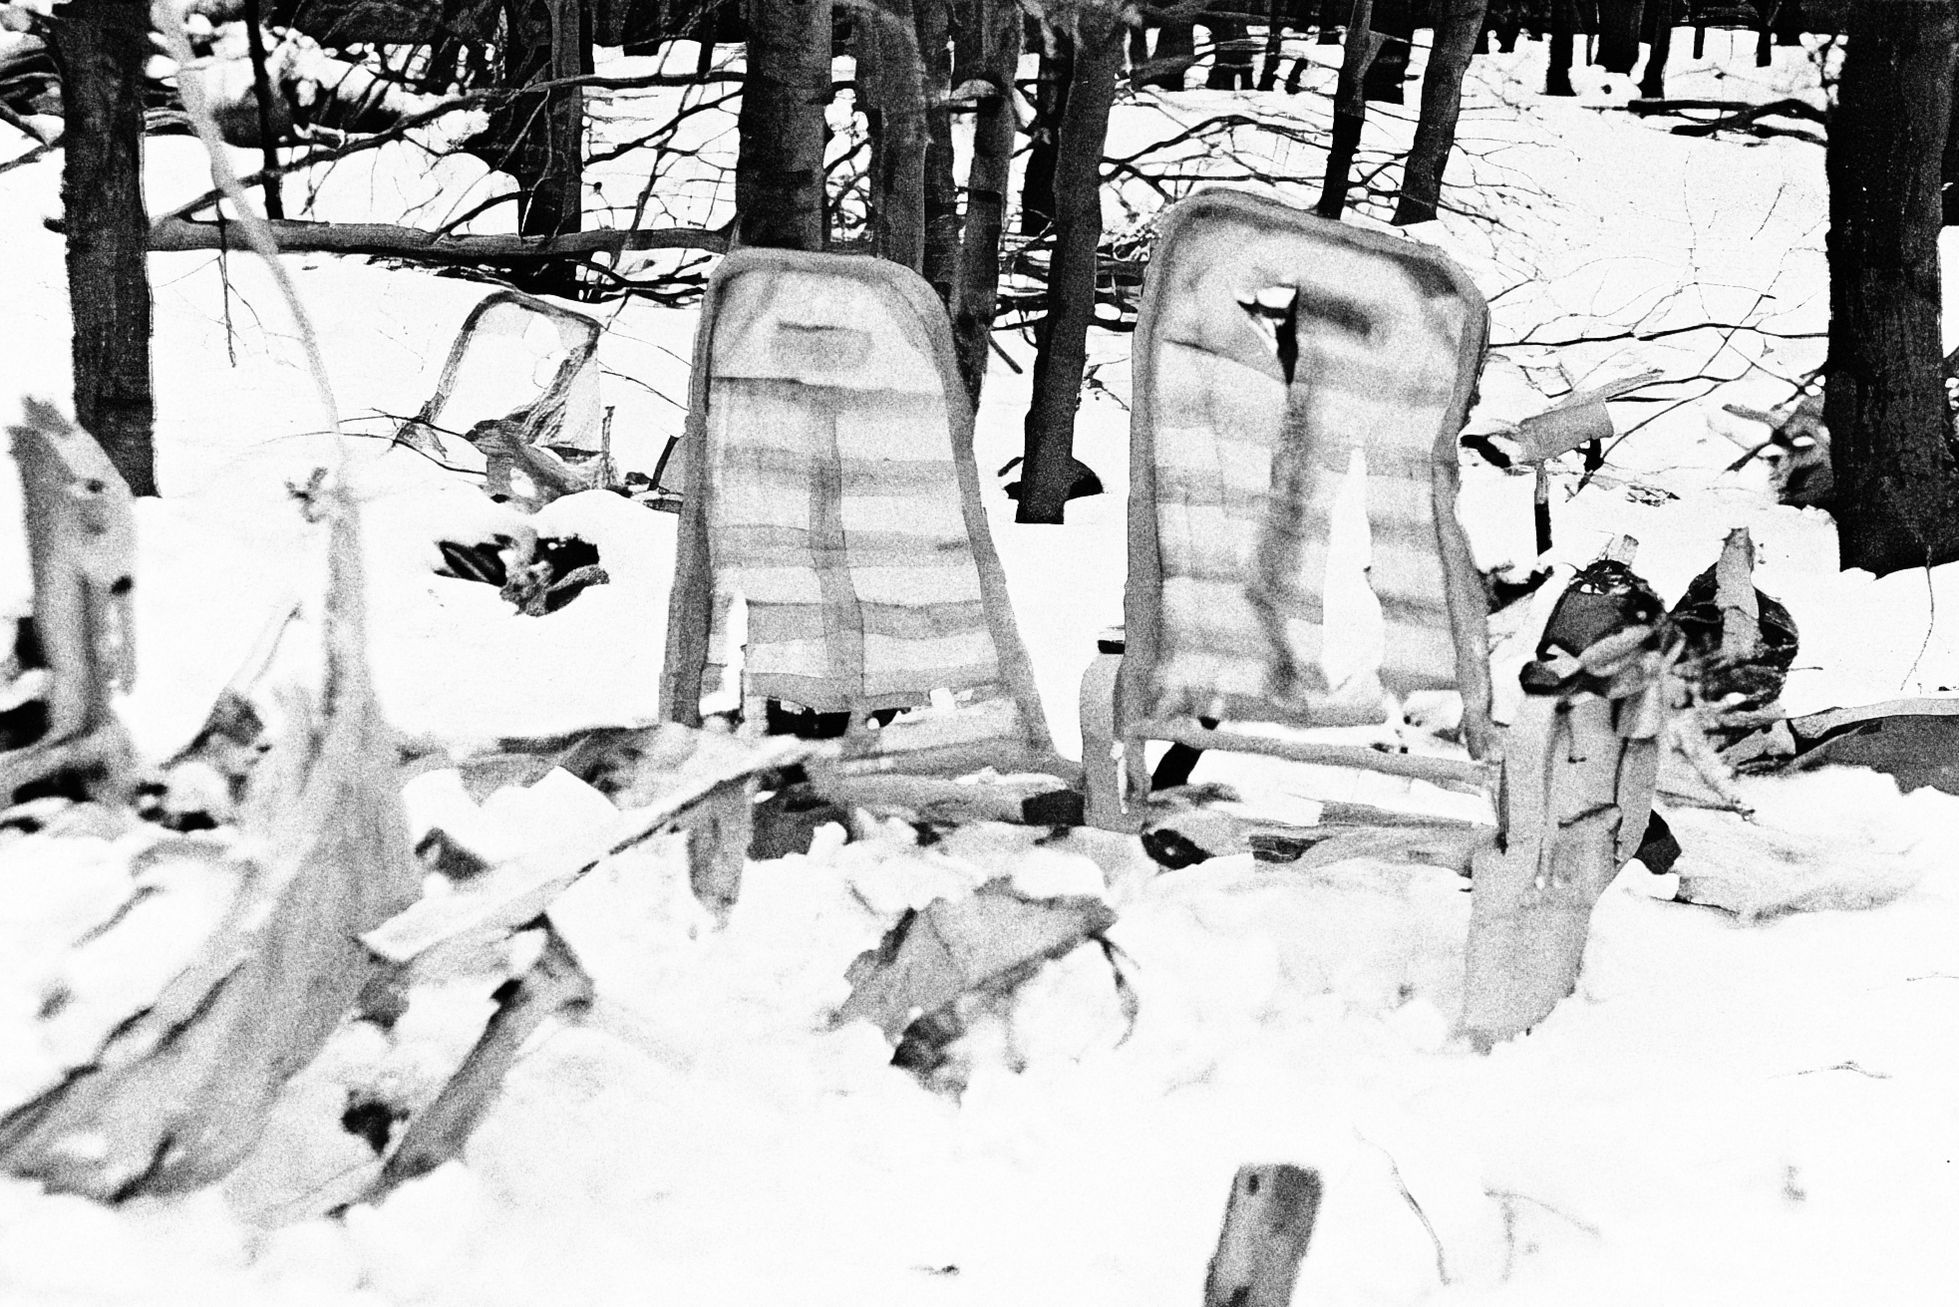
(1723, 1113)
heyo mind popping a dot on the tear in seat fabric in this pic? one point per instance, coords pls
(1242, 440)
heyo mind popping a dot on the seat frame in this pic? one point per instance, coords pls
(691, 610)
(1571, 778)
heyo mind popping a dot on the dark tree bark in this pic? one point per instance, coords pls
(102, 45)
(1332, 14)
(1788, 22)
(1892, 447)
(1618, 36)
(1231, 62)
(1176, 51)
(779, 173)
(1061, 353)
(1458, 25)
(1557, 75)
(540, 136)
(1349, 110)
(1049, 106)
(976, 295)
(891, 89)
(1387, 74)
(941, 256)
(1653, 81)
(1507, 20)
(1037, 196)
(1765, 13)
(1949, 161)
(268, 138)
(1277, 18)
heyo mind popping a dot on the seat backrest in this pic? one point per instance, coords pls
(830, 485)
(1277, 354)
(518, 357)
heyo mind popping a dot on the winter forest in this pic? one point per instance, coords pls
(978, 651)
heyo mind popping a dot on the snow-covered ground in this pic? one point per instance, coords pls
(1723, 1113)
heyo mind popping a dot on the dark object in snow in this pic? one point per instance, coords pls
(787, 820)
(1506, 589)
(1082, 481)
(1056, 808)
(539, 574)
(1915, 740)
(1173, 850)
(991, 941)
(1758, 672)
(23, 706)
(1268, 1225)
(1659, 849)
(372, 1122)
(808, 724)
(444, 854)
(1605, 600)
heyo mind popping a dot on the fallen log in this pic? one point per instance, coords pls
(172, 235)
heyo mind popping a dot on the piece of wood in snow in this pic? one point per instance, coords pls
(1268, 1224)
(719, 827)
(953, 946)
(1734, 597)
(1813, 726)
(1439, 845)
(1531, 901)
(181, 1090)
(934, 798)
(438, 1132)
(509, 895)
(81, 547)
(1576, 419)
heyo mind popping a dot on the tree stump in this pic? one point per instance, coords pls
(1267, 1225)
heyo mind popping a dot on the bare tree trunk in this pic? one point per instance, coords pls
(1349, 110)
(1387, 72)
(1508, 22)
(1949, 161)
(779, 174)
(268, 138)
(1231, 62)
(1789, 22)
(1653, 82)
(102, 45)
(1557, 75)
(891, 84)
(998, 38)
(1061, 355)
(1037, 199)
(1618, 37)
(1457, 27)
(1892, 447)
(1278, 16)
(1176, 51)
(539, 138)
(1331, 14)
(940, 262)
